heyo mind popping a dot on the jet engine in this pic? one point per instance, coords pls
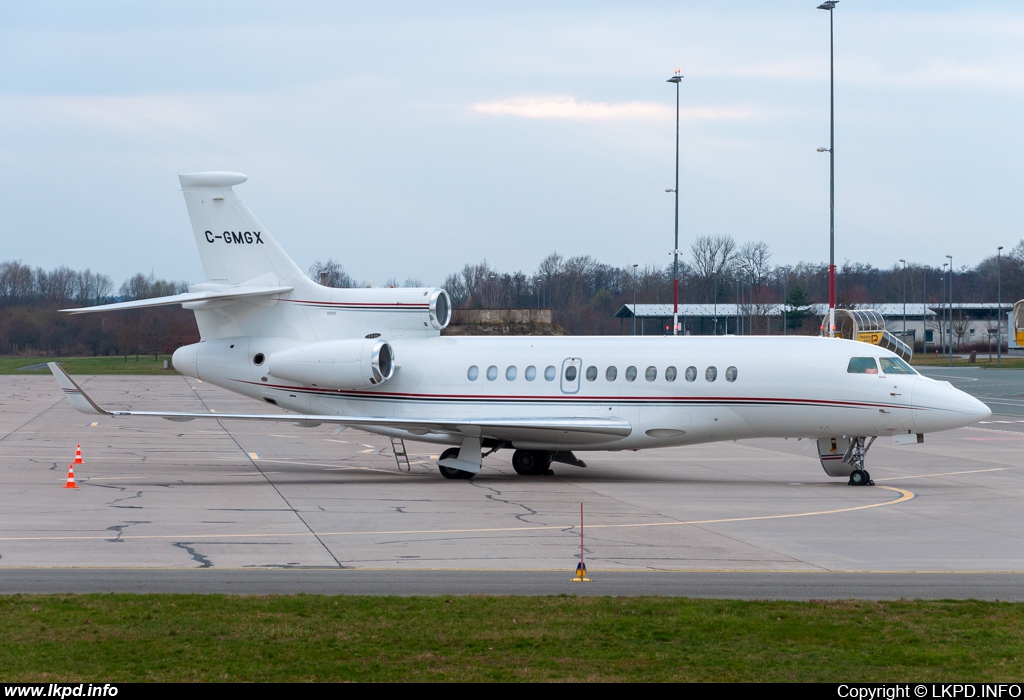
(336, 364)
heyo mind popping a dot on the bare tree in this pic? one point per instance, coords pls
(330, 274)
(63, 286)
(17, 284)
(961, 324)
(712, 258)
(754, 259)
(93, 287)
(456, 289)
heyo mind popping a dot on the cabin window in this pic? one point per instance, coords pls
(630, 373)
(730, 374)
(510, 373)
(492, 373)
(549, 373)
(670, 374)
(473, 373)
(711, 373)
(611, 373)
(591, 373)
(570, 373)
(651, 374)
(862, 365)
(531, 373)
(691, 374)
(894, 365)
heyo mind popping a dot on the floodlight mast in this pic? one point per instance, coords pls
(999, 312)
(831, 5)
(677, 78)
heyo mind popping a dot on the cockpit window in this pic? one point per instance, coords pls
(862, 365)
(894, 365)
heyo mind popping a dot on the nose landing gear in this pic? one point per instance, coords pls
(859, 476)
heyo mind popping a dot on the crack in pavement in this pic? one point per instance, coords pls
(494, 496)
(119, 529)
(204, 563)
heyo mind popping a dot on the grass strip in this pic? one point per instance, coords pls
(89, 365)
(1015, 362)
(124, 638)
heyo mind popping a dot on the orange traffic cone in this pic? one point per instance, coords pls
(71, 478)
(78, 455)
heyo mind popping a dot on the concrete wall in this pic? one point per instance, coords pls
(463, 317)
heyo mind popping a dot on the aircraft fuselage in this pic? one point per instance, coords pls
(671, 390)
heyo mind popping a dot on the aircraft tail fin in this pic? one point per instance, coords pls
(235, 248)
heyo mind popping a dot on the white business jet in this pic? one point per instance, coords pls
(375, 359)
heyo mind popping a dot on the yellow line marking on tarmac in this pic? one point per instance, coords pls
(284, 571)
(253, 456)
(904, 496)
(921, 476)
(343, 442)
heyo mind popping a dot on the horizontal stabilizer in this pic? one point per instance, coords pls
(187, 298)
(578, 430)
(78, 398)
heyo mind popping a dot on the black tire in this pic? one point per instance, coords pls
(531, 462)
(858, 477)
(450, 472)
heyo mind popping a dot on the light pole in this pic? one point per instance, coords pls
(999, 312)
(942, 306)
(950, 310)
(677, 78)
(904, 300)
(634, 298)
(785, 320)
(739, 328)
(924, 310)
(831, 5)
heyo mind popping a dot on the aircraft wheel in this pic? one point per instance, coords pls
(450, 472)
(859, 477)
(530, 462)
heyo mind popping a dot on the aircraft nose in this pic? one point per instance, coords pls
(941, 406)
(980, 410)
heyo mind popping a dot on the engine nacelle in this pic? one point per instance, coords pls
(336, 364)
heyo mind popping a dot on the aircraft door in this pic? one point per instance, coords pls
(571, 369)
(898, 381)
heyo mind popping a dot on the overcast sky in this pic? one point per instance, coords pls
(407, 139)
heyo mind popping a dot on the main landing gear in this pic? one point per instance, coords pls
(859, 476)
(532, 462)
(525, 462)
(451, 472)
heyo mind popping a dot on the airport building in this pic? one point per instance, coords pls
(973, 324)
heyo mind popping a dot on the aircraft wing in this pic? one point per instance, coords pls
(565, 430)
(225, 294)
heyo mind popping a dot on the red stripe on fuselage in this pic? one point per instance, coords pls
(382, 395)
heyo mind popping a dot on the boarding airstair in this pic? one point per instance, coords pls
(398, 447)
(868, 326)
(1018, 323)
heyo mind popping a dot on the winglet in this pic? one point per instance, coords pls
(78, 398)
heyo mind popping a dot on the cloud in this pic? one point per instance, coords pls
(567, 108)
